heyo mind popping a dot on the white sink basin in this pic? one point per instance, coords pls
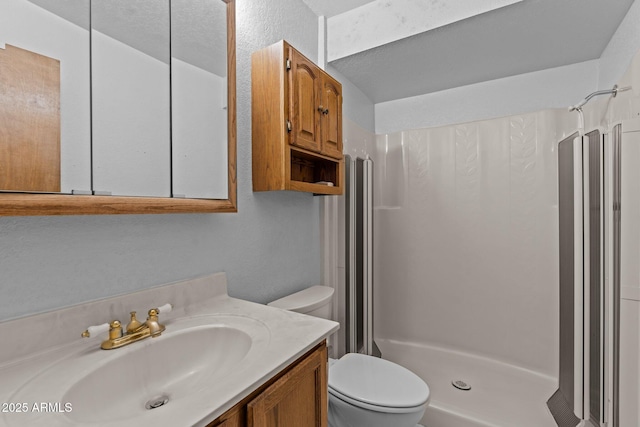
(143, 379)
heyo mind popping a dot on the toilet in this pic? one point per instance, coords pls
(363, 390)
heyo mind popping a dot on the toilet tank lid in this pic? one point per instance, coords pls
(306, 300)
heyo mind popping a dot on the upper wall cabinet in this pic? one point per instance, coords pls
(117, 106)
(296, 123)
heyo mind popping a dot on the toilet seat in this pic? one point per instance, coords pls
(376, 384)
(375, 408)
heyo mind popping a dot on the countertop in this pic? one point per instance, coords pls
(280, 338)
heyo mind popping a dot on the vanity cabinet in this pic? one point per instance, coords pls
(296, 397)
(296, 123)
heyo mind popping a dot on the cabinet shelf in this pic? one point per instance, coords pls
(308, 169)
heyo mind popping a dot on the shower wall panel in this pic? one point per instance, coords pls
(466, 238)
(628, 411)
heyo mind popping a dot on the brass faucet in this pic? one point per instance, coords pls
(135, 331)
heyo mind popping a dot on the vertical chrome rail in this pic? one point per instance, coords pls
(617, 216)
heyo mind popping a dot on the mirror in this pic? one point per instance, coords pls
(53, 134)
(131, 101)
(143, 111)
(199, 98)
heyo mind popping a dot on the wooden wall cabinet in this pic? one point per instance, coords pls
(296, 123)
(297, 397)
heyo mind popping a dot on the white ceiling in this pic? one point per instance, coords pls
(529, 36)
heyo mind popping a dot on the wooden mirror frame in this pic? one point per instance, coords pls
(25, 204)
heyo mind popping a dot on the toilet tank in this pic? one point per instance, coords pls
(315, 301)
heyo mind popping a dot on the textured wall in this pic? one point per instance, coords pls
(269, 248)
(621, 49)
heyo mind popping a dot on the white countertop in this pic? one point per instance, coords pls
(288, 336)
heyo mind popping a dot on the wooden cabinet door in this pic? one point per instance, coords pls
(297, 399)
(304, 100)
(29, 121)
(233, 421)
(331, 117)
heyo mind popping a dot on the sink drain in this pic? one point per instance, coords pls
(157, 402)
(461, 385)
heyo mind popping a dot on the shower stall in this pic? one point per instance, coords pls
(472, 283)
(466, 266)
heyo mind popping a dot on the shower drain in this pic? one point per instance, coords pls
(461, 385)
(157, 402)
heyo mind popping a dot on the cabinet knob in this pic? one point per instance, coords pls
(323, 110)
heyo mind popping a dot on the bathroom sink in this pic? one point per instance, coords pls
(105, 387)
(168, 367)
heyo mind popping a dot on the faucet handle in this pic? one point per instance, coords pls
(95, 330)
(115, 330)
(164, 309)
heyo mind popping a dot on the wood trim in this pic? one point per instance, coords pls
(268, 120)
(23, 204)
(313, 188)
(317, 155)
(232, 117)
(34, 204)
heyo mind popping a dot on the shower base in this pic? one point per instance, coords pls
(501, 395)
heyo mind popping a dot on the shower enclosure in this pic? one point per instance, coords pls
(359, 260)
(599, 278)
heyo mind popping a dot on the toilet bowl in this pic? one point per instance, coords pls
(367, 391)
(363, 390)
